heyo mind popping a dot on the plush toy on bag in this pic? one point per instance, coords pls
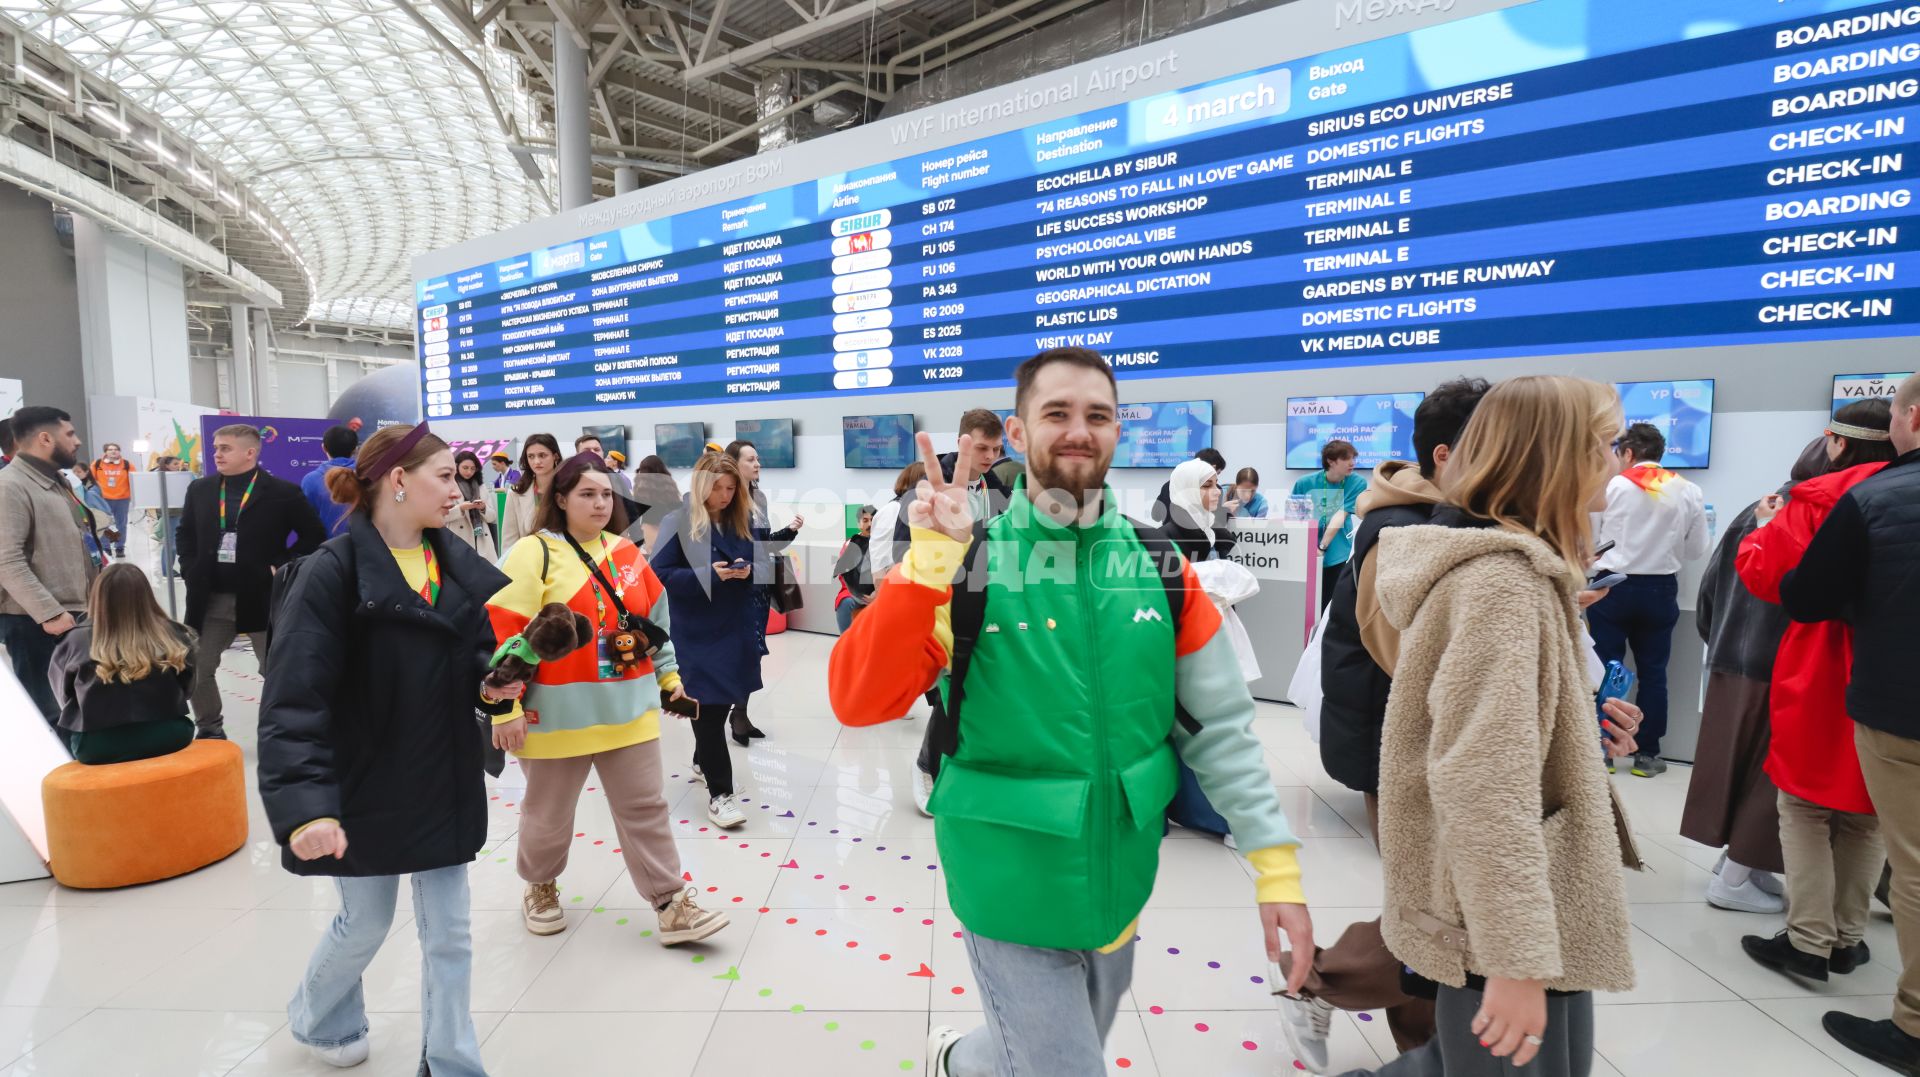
(554, 633)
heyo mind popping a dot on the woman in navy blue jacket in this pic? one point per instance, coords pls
(712, 558)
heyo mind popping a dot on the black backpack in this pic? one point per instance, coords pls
(968, 606)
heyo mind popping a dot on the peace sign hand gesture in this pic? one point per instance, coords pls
(942, 503)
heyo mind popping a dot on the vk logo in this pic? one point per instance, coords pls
(1146, 613)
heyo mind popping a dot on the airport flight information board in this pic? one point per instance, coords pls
(1555, 177)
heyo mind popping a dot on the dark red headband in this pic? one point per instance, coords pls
(400, 450)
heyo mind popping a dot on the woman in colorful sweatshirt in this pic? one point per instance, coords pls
(583, 713)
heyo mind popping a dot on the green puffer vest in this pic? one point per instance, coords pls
(1049, 816)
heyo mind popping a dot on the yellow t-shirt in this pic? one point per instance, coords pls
(413, 565)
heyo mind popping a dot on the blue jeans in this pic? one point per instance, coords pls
(1191, 808)
(843, 613)
(119, 510)
(329, 1008)
(1640, 613)
(1048, 1011)
(31, 651)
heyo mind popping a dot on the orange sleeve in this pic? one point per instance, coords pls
(1199, 620)
(890, 656)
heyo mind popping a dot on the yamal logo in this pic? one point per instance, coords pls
(269, 435)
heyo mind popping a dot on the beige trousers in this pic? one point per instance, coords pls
(1833, 863)
(631, 777)
(1892, 768)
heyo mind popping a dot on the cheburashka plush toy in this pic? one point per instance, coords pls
(554, 633)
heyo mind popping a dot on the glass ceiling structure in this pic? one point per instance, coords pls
(343, 117)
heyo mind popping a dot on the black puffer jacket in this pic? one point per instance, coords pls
(368, 715)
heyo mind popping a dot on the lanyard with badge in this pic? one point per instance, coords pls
(621, 643)
(431, 589)
(230, 539)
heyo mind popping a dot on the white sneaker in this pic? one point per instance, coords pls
(345, 1055)
(725, 813)
(922, 791)
(1768, 881)
(940, 1041)
(1747, 897)
(699, 775)
(1306, 1023)
(685, 921)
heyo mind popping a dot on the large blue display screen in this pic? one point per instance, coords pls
(1562, 176)
(1379, 425)
(1682, 410)
(877, 441)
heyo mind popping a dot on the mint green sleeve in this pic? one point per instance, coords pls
(664, 659)
(1225, 755)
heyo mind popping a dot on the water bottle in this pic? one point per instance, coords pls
(1713, 522)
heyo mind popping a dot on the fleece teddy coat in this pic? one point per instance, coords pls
(1499, 832)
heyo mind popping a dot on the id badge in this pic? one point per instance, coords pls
(229, 547)
(603, 648)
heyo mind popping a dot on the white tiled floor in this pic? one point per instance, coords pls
(842, 948)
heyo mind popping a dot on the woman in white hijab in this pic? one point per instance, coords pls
(1193, 496)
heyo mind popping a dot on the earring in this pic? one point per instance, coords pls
(399, 495)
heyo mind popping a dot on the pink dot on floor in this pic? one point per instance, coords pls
(928, 923)
(616, 848)
(766, 854)
(1156, 1009)
(869, 897)
(589, 788)
(956, 934)
(703, 830)
(599, 842)
(959, 990)
(738, 900)
(851, 944)
(792, 920)
(843, 886)
(1123, 1063)
(819, 876)
(1299, 1065)
(580, 835)
(899, 908)
(763, 908)
(742, 844)
(683, 822)
(1250, 1045)
(886, 957)
(713, 889)
(821, 931)
(1200, 1026)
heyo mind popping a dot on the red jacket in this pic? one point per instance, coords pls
(1812, 754)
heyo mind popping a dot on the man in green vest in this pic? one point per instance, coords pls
(1082, 688)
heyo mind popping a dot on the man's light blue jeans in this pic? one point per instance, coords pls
(1048, 1011)
(330, 1008)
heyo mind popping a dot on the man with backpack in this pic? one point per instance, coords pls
(1085, 663)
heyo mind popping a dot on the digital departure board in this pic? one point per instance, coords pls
(1556, 177)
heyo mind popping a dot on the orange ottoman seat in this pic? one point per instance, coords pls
(120, 824)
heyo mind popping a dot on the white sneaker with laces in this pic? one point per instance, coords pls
(940, 1042)
(725, 812)
(683, 920)
(343, 1056)
(1306, 1023)
(922, 791)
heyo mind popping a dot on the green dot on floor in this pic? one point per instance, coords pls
(697, 958)
(600, 908)
(906, 1063)
(580, 897)
(833, 1026)
(796, 1008)
(622, 922)
(645, 931)
(765, 991)
(502, 860)
(866, 1045)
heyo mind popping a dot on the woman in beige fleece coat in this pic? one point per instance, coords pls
(1500, 836)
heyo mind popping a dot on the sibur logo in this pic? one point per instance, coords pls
(1146, 613)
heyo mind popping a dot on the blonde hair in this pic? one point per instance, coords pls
(737, 517)
(132, 638)
(1533, 458)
